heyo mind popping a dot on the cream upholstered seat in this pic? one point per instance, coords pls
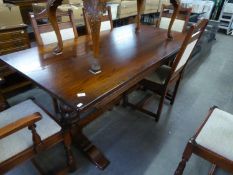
(21, 140)
(213, 141)
(217, 134)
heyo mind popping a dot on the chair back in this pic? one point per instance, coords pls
(44, 32)
(180, 22)
(106, 20)
(188, 45)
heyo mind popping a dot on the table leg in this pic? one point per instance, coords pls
(80, 140)
(90, 150)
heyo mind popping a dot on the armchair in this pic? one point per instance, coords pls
(25, 131)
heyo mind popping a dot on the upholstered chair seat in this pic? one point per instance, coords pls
(217, 134)
(22, 139)
(160, 75)
(213, 141)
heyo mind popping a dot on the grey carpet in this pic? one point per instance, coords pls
(134, 143)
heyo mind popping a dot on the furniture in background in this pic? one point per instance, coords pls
(13, 37)
(82, 95)
(226, 17)
(165, 77)
(151, 6)
(204, 8)
(25, 6)
(25, 131)
(212, 142)
(181, 21)
(94, 9)
(75, 6)
(44, 32)
(106, 20)
(126, 9)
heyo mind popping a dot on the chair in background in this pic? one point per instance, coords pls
(25, 131)
(44, 32)
(213, 142)
(165, 77)
(106, 20)
(180, 22)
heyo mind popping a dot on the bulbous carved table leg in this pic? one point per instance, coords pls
(92, 152)
(79, 139)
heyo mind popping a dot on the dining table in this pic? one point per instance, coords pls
(78, 90)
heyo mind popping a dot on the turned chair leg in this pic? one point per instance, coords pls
(186, 155)
(69, 155)
(160, 107)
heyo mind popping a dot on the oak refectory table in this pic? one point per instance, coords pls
(125, 57)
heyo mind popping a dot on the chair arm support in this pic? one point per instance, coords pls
(19, 124)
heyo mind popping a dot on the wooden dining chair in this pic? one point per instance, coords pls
(181, 21)
(212, 142)
(44, 32)
(166, 77)
(106, 20)
(25, 131)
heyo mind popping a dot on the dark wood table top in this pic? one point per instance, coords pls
(125, 57)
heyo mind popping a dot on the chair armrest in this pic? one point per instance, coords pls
(19, 124)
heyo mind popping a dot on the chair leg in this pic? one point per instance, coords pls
(175, 91)
(160, 107)
(186, 155)
(70, 158)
